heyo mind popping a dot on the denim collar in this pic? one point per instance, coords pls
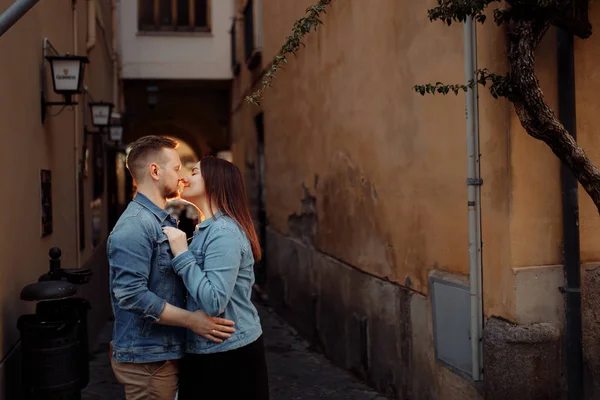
(209, 221)
(144, 201)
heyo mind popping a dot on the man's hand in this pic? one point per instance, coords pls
(177, 240)
(211, 328)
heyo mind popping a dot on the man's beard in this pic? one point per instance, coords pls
(170, 193)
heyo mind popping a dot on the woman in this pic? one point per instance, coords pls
(218, 272)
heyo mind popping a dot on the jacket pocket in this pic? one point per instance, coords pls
(165, 256)
(161, 368)
(146, 327)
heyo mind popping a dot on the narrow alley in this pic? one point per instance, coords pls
(163, 160)
(295, 371)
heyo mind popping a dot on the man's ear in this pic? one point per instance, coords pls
(154, 170)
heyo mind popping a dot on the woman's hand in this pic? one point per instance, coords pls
(177, 240)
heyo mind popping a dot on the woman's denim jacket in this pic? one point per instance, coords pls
(218, 272)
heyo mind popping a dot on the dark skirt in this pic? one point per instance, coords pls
(234, 374)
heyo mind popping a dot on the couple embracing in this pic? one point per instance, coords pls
(184, 320)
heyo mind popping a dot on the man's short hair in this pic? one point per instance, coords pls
(144, 149)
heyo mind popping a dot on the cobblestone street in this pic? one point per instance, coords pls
(295, 372)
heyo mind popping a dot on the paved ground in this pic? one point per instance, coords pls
(295, 372)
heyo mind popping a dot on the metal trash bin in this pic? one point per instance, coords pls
(54, 340)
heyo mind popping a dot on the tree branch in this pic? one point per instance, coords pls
(499, 85)
(291, 45)
(535, 115)
(458, 10)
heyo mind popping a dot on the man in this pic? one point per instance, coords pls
(148, 298)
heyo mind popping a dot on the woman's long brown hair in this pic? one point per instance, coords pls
(224, 185)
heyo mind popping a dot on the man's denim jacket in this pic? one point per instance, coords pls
(218, 272)
(141, 282)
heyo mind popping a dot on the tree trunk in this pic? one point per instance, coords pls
(535, 115)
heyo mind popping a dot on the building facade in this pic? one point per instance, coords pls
(361, 184)
(55, 170)
(175, 70)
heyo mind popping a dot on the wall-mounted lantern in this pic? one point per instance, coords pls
(116, 133)
(67, 79)
(101, 112)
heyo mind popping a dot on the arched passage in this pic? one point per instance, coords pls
(172, 129)
(195, 112)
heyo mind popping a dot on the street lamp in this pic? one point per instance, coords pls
(67, 79)
(101, 112)
(116, 133)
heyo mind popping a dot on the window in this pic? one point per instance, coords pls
(248, 29)
(174, 15)
(252, 54)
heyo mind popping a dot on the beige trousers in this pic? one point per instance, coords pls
(148, 381)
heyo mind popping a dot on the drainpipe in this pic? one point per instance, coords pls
(14, 13)
(76, 145)
(474, 183)
(91, 25)
(572, 263)
(115, 59)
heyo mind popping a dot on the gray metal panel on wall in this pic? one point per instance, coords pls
(451, 325)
